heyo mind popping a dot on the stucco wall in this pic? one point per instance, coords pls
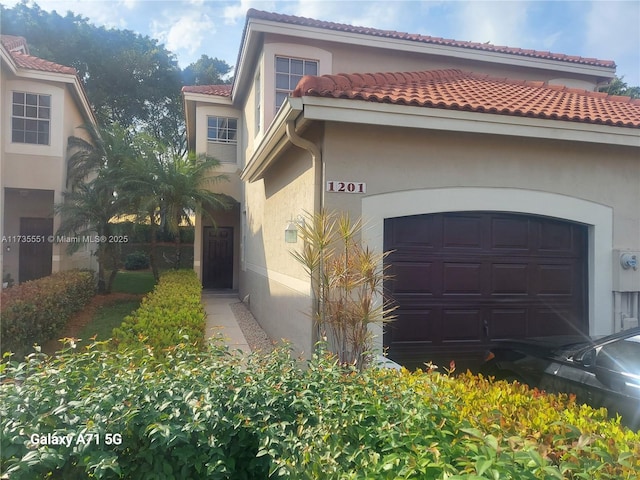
(277, 286)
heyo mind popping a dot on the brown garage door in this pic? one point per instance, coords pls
(463, 279)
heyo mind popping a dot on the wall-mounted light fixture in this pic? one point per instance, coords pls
(291, 231)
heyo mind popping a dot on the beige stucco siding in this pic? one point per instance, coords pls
(605, 175)
(351, 58)
(277, 285)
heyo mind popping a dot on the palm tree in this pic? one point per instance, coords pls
(86, 213)
(94, 171)
(184, 189)
(164, 189)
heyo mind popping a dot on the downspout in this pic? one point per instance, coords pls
(316, 165)
(316, 161)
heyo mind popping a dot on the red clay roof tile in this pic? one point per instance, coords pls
(458, 90)
(219, 90)
(34, 63)
(309, 22)
(13, 42)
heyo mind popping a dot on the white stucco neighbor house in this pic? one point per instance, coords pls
(42, 104)
(506, 186)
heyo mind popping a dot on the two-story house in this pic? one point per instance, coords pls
(506, 186)
(42, 104)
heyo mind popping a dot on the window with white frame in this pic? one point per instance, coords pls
(289, 71)
(222, 130)
(30, 118)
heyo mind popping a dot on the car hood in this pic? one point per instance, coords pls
(555, 346)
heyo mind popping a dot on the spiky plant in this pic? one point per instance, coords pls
(347, 280)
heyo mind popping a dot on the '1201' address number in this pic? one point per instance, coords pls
(346, 187)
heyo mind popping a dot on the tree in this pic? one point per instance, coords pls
(165, 189)
(183, 188)
(94, 171)
(129, 78)
(206, 71)
(618, 86)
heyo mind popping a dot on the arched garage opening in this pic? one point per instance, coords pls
(464, 279)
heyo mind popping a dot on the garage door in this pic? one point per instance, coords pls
(461, 280)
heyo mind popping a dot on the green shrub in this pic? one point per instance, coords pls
(167, 315)
(36, 311)
(211, 415)
(136, 261)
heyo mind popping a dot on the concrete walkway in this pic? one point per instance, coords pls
(221, 320)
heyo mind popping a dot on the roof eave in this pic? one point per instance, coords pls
(363, 112)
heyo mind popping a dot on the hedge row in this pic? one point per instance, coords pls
(211, 415)
(36, 311)
(168, 315)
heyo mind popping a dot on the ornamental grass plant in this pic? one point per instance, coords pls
(347, 280)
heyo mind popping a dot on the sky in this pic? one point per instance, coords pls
(607, 30)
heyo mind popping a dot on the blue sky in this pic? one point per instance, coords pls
(607, 30)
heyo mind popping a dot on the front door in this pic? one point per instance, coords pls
(35, 248)
(218, 257)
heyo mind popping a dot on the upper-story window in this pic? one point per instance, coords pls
(31, 118)
(222, 130)
(289, 71)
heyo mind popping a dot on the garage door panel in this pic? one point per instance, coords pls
(556, 280)
(508, 323)
(481, 276)
(511, 279)
(406, 232)
(554, 321)
(412, 278)
(461, 325)
(557, 237)
(510, 234)
(412, 326)
(462, 278)
(462, 232)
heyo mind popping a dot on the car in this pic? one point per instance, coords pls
(601, 372)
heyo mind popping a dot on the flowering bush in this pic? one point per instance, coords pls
(212, 415)
(36, 311)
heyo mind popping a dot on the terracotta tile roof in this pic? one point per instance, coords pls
(458, 90)
(309, 22)
(220, 90)
(14, 44)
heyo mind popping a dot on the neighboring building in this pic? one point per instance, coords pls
(42, 104)
(505, 185)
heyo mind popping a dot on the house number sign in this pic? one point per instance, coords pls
(342, 186)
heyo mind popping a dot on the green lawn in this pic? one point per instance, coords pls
(106, 319)
(137, 282)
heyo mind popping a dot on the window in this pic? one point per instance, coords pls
(30, 121)
(289, 71)
(222, 130)
(621, 356)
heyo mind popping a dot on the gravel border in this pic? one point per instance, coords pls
(256, 337)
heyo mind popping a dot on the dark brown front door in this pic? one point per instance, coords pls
(35, 248)
(464, 279)
(218, 257)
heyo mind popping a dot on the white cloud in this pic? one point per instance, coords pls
(499, 23)
(236, 13)
(185, 32)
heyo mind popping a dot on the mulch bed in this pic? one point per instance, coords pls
(78, 321)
